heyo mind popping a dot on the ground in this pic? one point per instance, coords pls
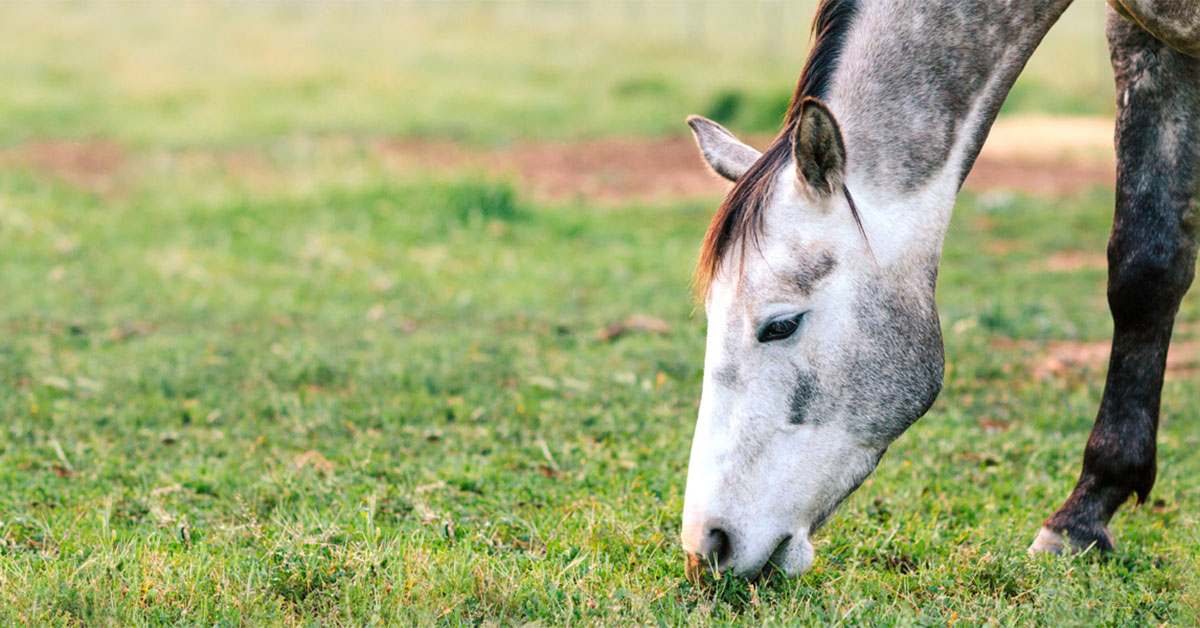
(316, 361)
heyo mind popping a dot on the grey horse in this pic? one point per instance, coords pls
(818, 271)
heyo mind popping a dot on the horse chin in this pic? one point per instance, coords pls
(793, 558)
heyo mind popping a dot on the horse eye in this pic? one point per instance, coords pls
(779, 329)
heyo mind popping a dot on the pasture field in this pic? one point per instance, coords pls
(390, 402)
(254, 373)
(196, 73)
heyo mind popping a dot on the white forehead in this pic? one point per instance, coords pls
(797, 234)
(900, 235)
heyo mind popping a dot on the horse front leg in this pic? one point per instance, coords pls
(1151, 261)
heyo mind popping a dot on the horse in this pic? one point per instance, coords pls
(817, 273)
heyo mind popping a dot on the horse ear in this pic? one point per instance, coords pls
(723, 152)
(818, 149)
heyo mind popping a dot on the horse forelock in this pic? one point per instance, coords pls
(740, 216)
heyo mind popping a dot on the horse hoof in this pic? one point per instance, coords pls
(1048, 541)
(1055, 543)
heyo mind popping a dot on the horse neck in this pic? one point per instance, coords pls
(916, 91)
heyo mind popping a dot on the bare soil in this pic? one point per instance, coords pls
(607, 170)
(1036, 155)
(1021, 154)
(1074, 261)
(90, 165)
(1066, 358)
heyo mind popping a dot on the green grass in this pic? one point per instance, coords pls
(387, 402)
(204, 73)
(251, 377)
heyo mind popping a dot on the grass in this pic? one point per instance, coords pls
(205, 73)
(387, 402)
(253, 377)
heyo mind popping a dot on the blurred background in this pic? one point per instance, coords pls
(156, 74)
(581, 98)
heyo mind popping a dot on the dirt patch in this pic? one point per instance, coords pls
(1073, 261)
(640, 169)
(1064, 358)
(91, 165)
(638, 323)
(1003, 246)
(1051, 139)
(1037, 155)
(605, 171)
(1037, 178)
(1183, 361)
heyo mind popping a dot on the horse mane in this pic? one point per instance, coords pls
(740, 216)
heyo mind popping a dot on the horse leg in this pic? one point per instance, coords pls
(1151, 261)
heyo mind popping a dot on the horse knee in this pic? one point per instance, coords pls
(1147, 280)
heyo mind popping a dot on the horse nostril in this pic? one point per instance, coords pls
(717, 547)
